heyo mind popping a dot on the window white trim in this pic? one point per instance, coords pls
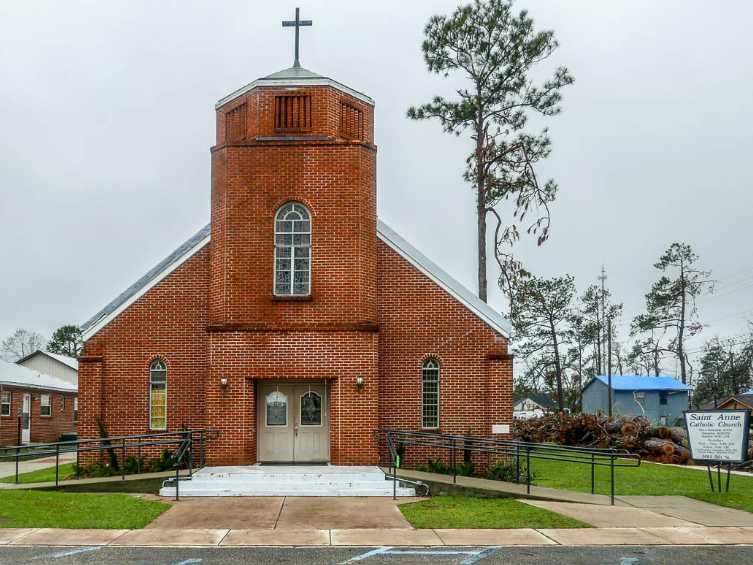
(290, 251)
(431, 367)
(45, 401)
(6, 401)
(157, 366)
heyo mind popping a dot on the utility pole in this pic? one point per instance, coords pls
(602, 278)
(609, 362)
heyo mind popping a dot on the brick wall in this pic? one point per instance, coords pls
(44, 429)
(417, 320)
(168, 322)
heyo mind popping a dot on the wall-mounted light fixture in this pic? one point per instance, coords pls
(360, 382)
(223, 383)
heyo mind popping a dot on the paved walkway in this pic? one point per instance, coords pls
(8, 467)
(379, 537)
(283, 513)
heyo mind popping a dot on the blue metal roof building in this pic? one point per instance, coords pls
(660, 399)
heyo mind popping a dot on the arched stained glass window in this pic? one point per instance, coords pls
(311, 409)
(158, 395)
(292, 250)
(430, 394)
(277, 409)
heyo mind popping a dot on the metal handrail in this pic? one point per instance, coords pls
(594, 457)
(183, 440)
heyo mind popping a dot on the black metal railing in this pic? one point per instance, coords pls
(182, 442)
(508, 449)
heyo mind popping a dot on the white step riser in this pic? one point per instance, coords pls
(170, 491)
(274, 483)
(290, 477)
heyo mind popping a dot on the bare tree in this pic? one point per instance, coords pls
(20, 344)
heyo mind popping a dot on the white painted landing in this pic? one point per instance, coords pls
(287, 480)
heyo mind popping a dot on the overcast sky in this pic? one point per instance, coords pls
(106, 119)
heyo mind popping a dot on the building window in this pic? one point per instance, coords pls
(75, 409)
(292, 250)
(662, 397)
(311, 409)
(45, 405)
(292, 113)
(277, 409)
(5, 403)
(430, 394)
(158, 395)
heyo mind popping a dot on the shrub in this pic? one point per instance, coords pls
(164, 463)
(507, 471)
(134, 464)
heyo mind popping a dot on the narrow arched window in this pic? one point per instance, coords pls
(158, 395)
(292, 250)
(430, 394)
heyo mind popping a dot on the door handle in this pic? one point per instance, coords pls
(295, 429)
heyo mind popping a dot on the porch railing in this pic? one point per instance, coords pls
(186, 446)
(508, 449)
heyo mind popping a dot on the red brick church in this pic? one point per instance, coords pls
(296, 323)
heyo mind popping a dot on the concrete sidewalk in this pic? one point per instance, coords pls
(8, 466)
(378, 537)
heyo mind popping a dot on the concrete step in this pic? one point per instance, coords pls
(377, 476)
(287, 480)
(187, 490)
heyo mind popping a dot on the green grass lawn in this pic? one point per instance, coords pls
(38, 509)
(42, 475)
(471, 512)
(648, 479)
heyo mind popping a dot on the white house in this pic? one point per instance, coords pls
(60, 366)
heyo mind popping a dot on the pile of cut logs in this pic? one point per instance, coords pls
(637, 435)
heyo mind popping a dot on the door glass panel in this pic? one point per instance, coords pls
(277, 409)
(311, 409)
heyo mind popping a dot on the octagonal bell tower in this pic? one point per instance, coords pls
(294, 137)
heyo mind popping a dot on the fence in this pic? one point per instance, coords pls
(182, 442)
(508, 449)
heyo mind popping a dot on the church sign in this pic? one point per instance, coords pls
(718, 436)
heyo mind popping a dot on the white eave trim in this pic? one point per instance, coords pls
(29, 386)
(454, 288)
(102, 322)
(294, 82)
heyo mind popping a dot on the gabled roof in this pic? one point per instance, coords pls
(541, 398)
(294, 76)
(641, 382)
(64, 359)
(15, 375)
(488, 314)
(194, 244)
(743, 398)
(182, 254)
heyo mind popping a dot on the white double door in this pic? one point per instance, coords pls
(292, 423)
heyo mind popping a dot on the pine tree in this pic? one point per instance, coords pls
(495, 50)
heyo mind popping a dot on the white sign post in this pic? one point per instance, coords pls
(718, 437)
